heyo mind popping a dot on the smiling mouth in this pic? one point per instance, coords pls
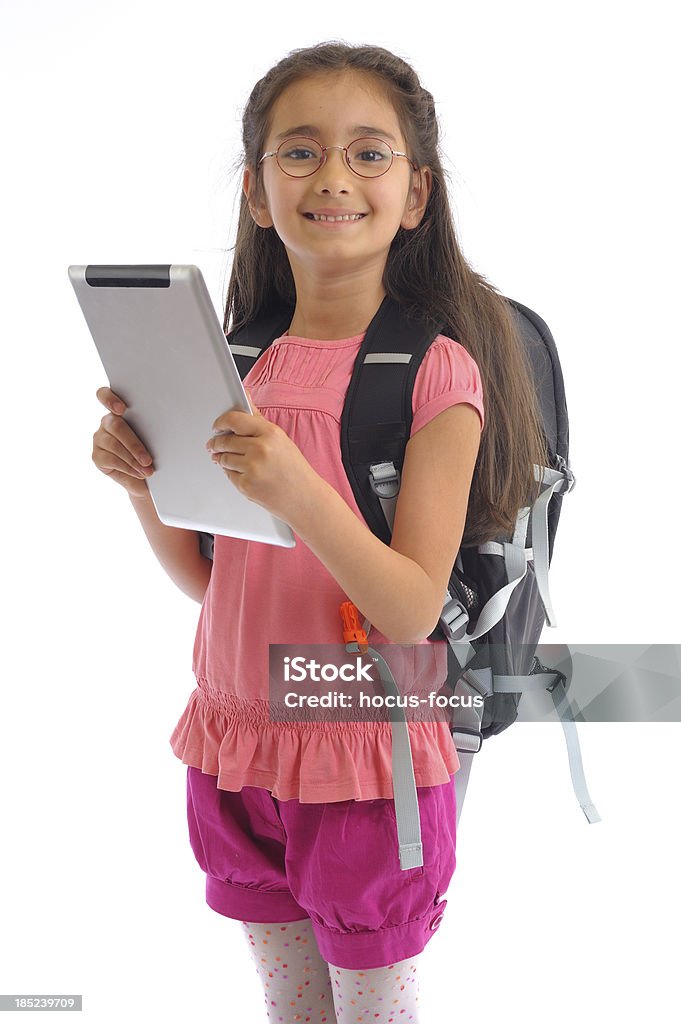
(334, 220)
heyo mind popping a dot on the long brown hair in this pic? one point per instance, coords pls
(425, 272)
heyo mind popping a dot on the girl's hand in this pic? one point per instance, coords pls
(117, 450)
(262, 461)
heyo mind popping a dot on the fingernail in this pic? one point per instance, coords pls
(118, 406)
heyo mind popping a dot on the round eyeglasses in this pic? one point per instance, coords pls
(369, 158)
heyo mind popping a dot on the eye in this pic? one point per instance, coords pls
(370, 156)
(298, 153)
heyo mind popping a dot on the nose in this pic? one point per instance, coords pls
(334, 174)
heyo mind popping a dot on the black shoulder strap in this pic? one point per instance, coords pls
(251, 340)
(377, 414)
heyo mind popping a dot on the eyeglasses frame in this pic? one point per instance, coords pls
(325, 149)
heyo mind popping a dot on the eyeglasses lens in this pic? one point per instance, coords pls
(301, 157)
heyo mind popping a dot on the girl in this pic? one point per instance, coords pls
(344, 202)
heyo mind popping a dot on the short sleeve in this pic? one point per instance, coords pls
(448, 374)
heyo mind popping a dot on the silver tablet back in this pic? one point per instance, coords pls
(165, 353)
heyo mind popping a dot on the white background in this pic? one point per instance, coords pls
(120, 128)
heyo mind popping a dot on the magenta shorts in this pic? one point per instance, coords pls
(269, 861)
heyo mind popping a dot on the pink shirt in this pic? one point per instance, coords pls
(260, 594)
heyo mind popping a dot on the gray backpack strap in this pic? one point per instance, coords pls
(559, 481)
(404, 783)
(467, 721)
(554, 682)
(516, 556)
(455, 616)
(461, 779)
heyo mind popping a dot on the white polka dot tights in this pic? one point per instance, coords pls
(302, 988)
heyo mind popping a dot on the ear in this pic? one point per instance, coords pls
(258, 208)
(419, 191)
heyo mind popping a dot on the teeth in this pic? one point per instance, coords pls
(321, 216)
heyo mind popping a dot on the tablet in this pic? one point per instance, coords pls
(165, 353)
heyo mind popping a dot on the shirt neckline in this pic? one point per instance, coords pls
(332, 343)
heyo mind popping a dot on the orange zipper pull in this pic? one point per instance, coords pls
(352, 627)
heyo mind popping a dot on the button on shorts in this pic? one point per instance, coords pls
(268, 860)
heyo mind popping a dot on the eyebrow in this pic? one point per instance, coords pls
(311, 130)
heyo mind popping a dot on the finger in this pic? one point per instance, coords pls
(228, 443)
(123, 432)
(223, 424)
(108, 442)
(112, 401)
(236, 420)
(109, 463)
(233, 476)
(227, 461)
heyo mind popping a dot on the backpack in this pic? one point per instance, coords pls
(498, 598)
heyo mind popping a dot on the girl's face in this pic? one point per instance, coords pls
(335, 109)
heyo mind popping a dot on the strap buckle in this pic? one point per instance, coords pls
(454, 619)
(353, 631)
(567, 473)
(384, 479)
(463, 740)
(560, 676)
